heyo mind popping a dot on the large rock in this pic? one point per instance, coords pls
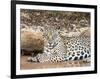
(31, 40)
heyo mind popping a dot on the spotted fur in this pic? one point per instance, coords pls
(68, 49)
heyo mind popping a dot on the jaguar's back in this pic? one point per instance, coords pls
(78, 48)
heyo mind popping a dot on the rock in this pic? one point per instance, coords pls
(31, 40)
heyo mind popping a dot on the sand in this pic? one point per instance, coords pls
(36, 65)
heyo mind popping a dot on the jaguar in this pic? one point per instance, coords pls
(60, 49)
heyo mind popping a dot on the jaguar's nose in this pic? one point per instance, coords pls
(50, 43)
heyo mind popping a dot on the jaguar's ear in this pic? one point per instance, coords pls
(41, 29)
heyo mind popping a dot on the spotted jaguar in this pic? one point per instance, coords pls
(60, 49)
